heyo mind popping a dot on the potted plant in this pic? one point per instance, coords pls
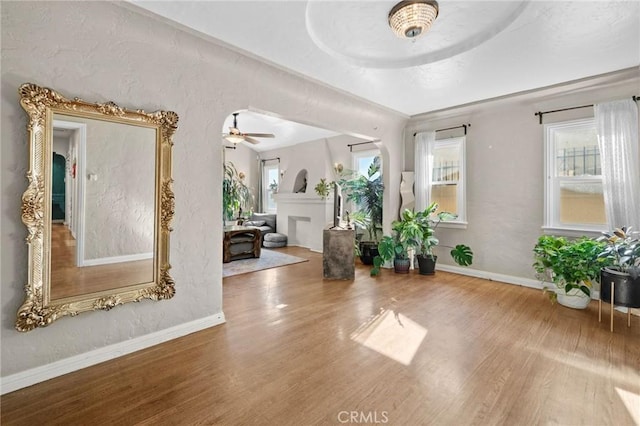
(236, 195)
(428, 222)
(415, 231)
(323, 188)
(622, 252)
(571, 265)
(392, 248)
(365, 192)
(273, 187)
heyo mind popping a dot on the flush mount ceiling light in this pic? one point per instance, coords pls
(412, 18)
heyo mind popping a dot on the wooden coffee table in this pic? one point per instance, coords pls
(240, 242)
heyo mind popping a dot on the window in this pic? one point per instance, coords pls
(573, 191)
(446, 176)
(363, 159)
(270, 182)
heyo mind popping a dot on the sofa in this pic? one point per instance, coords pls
(265, 222)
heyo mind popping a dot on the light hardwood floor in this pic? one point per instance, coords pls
(67, 280)
(400, 350)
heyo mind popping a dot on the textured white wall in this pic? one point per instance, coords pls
(119, 203)
(103, 51)
(505, 166)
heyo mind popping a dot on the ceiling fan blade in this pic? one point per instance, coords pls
(260, 135)
(251, 140)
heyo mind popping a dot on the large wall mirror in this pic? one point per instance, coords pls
(98, 206)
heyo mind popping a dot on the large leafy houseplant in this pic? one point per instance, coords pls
(571, 265)
(622, 254)
(622, 250)
(236, 195)
(365, 192)
(428, 221)
(414, 231)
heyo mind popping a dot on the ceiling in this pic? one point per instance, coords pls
(286, 132)
(475, 50)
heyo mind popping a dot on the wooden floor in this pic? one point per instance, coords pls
(400, 350)
(67, 280)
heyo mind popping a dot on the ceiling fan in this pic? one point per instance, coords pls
(236, 136)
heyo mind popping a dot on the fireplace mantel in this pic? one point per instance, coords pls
(303, 217)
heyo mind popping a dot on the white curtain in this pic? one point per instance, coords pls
(617, 126)
(423, 162)
(261, 200)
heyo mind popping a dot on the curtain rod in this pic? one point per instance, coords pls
(465, 126)
(541, 113)
(351, 145)
(269, 159)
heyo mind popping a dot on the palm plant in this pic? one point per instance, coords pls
(236, 195)
(365, 192)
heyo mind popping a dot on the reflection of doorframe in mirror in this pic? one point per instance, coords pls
(77, 221)
(40, 104)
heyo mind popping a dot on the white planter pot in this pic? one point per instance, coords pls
(575, 299)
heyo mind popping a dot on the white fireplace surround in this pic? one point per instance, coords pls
(303, 217)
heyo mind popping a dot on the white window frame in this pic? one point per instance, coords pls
(552, 223)
(461, 141)
(355, 156)
(265, 187)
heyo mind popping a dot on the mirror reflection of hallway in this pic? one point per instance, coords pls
(102, 206)
(67, 280)
(58, 188)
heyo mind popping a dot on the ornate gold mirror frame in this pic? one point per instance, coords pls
(40, 104)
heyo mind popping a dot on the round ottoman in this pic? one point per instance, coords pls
(274, 239)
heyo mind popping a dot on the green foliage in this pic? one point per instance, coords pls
(415, 231)
(235, 194)
(569, 264)
(462, 255)
(622, 250)
(323, 188)
(366, 193)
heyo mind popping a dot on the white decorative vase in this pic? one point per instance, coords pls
(575, 299)
(408, 199)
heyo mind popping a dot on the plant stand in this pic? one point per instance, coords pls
(612, 304)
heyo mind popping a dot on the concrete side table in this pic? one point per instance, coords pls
(338, 259)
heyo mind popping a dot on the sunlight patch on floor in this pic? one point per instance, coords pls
(621, 374)
(391, 334)
(632, 402)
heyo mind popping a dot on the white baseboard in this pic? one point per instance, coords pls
(40, 374)
(491, 276)
(509, 279)
(117, 259)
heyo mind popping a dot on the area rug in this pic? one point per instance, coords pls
(268, 259)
